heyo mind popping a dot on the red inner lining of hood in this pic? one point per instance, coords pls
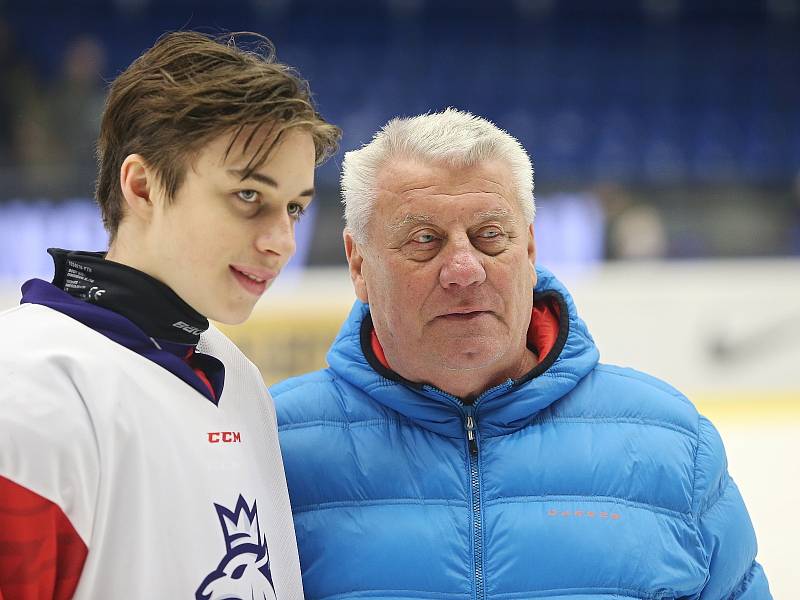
(542, 332)
(544, 327)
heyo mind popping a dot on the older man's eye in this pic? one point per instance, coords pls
(424, 238)
(490, 233)
(249, 196)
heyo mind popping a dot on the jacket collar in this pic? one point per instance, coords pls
(499, 410)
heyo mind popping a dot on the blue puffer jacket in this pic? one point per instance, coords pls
(584, 481)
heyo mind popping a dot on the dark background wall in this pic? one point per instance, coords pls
(678, 120)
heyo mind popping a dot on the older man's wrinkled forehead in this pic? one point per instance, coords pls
(411, 193)
(406, 179)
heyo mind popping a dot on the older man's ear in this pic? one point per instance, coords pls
(532, 253)
(355, 262)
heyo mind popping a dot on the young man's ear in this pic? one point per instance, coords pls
(136, 182)
(355, 262)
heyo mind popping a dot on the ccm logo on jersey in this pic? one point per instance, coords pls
(187, 328)
(226, 437)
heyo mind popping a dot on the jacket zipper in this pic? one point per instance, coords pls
(469, 425)
(475, 487)
(471, 429)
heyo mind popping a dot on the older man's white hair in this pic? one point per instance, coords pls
(452, 137)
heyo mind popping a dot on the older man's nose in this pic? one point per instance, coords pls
(462, 267)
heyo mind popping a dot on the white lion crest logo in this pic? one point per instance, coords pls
(243, 573)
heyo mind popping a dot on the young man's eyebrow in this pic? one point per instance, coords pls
(265, 179)
(260, 177)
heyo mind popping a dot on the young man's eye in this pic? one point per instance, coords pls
(296, 210)
(249, 196)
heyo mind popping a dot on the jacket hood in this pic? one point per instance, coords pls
(499, 410)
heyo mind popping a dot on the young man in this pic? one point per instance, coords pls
(138, 450)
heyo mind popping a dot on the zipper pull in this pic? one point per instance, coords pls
(471, 439)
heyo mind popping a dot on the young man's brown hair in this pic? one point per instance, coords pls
(188, 89)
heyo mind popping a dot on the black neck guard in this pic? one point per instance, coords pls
(142, 299)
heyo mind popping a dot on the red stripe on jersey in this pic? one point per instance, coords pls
(41, 554)
(204, 378)
(189, 359)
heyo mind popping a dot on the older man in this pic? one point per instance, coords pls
(465, 442)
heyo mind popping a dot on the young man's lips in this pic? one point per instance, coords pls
(252, 279)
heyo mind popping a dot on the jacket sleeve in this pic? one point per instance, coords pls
(724, 526)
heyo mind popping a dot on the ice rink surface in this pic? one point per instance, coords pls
(764, 460)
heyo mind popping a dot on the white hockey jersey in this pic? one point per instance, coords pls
(172, 496)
